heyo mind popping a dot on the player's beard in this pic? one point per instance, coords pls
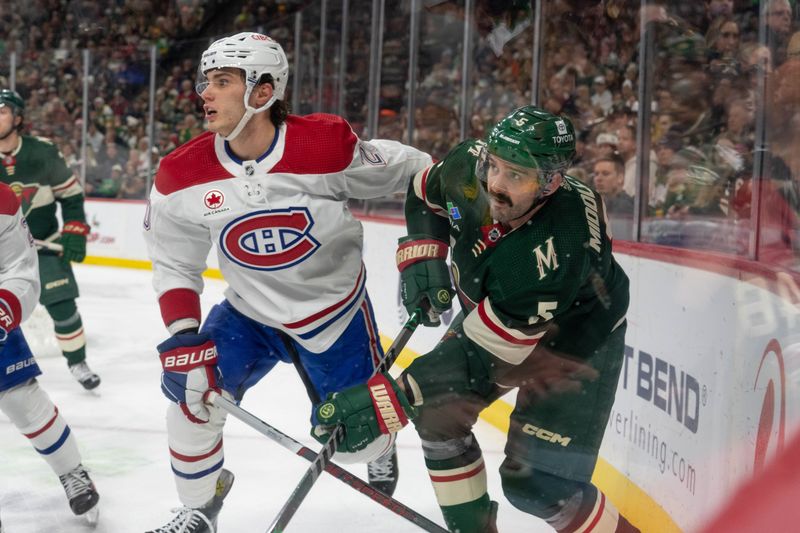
(7, 133)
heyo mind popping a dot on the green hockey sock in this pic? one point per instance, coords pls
(69, 330)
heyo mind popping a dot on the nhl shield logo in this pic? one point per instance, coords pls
(269, 239)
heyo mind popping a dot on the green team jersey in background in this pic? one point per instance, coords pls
(37, 173)
(551, 282)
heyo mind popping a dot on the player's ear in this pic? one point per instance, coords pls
(263, 93)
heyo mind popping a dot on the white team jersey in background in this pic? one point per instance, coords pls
(19, 264)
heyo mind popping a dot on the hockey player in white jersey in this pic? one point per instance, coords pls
(270, 190)
(21, 399)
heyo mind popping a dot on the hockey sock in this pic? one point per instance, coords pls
(459, 482)
(196, 456)
(69, 330)
(589, 509)
(32, 412)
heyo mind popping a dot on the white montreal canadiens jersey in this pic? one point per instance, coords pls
(287, 245)
(19, 266)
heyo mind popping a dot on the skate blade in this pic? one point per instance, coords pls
(92, 515)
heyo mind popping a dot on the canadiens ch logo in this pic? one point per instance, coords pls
(269, 239)
(214, 199)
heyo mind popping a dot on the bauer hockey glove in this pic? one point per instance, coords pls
(424, 277)
(73, 239)
(366, 411)
(190, 368)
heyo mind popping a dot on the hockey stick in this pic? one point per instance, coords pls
(49, 246)
(333, 469)
(313, 395)
(323, 458)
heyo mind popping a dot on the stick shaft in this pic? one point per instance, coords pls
(324, 457)
(333, 469)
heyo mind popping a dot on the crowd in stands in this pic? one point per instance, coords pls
(709, 75)
(711, 82)
(48, 38)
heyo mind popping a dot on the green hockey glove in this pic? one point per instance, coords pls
(73, 239)
(367, 411)
(424, 277)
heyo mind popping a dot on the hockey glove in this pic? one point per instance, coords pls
(424, 278)
(366, 411)
(190, 368)
(73, 239)
(7, 323)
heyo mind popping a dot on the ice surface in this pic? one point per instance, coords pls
(121, 434)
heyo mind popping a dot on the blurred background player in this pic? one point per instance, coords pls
(23, 402)
(37, 173)
(544, 306)
(270, 189)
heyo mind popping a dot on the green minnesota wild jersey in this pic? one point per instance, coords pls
(37, 173)
(552, 281)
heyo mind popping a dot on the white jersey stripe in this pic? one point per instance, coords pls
(485, 329)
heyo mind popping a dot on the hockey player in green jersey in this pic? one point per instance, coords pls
(37, 173)
(543, 311)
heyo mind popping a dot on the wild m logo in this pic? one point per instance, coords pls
(547, 260)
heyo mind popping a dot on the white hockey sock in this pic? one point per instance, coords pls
(196, 456)
(32, 412)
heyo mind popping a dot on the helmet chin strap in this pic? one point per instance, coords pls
(248, 114)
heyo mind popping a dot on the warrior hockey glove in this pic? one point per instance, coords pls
(424, 278)
(366, 411)
(190, 368)
(73, 239)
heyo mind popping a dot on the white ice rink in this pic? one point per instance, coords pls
(121, 433)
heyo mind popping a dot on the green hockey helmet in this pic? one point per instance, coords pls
(533, 138)
(12, 99)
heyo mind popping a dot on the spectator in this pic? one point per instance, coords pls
(602, 97)
(722, 42)
(666, 148)
(608, 177)
(626, 146)
(779, 27)
(606, 145)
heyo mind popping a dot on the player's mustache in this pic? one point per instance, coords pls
(502, 198)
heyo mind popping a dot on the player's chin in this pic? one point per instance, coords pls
(215, 126)
(500, 212)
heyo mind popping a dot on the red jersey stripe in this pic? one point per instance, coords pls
(499, 331)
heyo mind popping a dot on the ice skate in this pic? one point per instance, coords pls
(382, 473)
(82, 495)
(84, 375)
(202, 519)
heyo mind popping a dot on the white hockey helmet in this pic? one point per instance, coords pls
(256, 55)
